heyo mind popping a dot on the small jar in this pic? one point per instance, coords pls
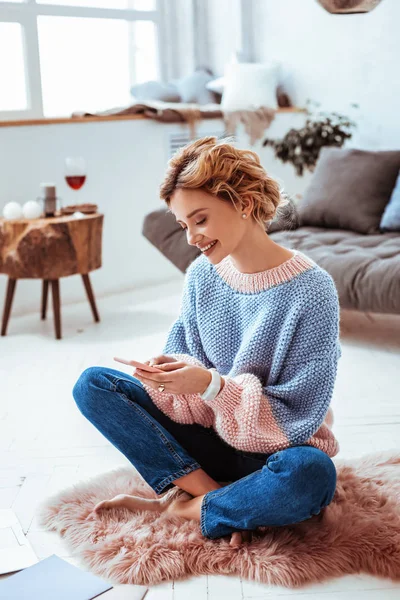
(51, 202)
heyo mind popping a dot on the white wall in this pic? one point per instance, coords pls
(337, 60)
(223, 31)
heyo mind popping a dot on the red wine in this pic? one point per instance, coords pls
(75, 181)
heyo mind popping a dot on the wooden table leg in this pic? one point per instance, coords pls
(8, 303)
(45, 288)
(55, 288)
(90, 296)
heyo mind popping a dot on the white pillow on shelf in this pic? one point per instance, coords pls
(216, 85)
(250, 85)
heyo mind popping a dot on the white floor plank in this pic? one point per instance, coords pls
(194, 588)
(125, 592)
(8, 496)
(46, 445)
(163, 591)
(31, 494)
(222, 586)
(46, 543)
(376, 594)
(346, 584)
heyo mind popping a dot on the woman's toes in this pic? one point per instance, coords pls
(236, 539)
(103, 504)
(114, 502)
(240, 537)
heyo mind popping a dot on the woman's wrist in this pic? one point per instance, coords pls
(209, 379)
(214, 386)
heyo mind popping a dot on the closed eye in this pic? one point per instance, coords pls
(199, 223)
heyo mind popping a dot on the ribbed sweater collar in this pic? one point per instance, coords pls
(252, 283)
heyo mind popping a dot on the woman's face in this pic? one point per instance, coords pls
(217, 221)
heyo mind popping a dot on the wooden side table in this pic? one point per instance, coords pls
(48, 249)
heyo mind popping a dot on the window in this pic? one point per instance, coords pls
(61, 56)
(12, 73)
(135, 4)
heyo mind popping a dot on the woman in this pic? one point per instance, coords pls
(250, 364)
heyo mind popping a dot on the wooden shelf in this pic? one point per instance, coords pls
(69, 120)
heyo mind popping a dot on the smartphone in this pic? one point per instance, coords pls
(139, 365)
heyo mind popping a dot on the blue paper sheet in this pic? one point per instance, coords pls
(50, 579)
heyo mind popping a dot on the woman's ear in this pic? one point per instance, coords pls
(247, 205)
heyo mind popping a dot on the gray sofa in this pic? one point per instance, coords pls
(340, 233)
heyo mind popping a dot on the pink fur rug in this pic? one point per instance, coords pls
(359, 532)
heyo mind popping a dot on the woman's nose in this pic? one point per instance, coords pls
(191, 239)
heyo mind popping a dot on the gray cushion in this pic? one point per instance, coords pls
(350, 189)
(161, 229)
(192, 88)
(365, 268)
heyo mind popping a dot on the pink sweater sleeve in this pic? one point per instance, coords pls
(183, 408)
(243, 415)
(254, 418)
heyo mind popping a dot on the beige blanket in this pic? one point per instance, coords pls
(255, 121)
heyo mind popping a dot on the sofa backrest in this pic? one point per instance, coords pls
(350, 189)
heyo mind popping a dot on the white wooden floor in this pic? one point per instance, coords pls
(46, 444)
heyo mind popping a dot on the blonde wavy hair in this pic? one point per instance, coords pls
(222, 170)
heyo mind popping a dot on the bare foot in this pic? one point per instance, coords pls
(240, 537)
(133, 503)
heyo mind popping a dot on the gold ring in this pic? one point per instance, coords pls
(161, 387)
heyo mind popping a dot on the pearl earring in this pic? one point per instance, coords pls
(243, 216)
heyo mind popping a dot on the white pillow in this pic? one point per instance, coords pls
(250, 85)
(216, 85)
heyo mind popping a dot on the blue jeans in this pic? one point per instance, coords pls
(277, 489)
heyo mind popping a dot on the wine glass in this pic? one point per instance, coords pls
(75, 172)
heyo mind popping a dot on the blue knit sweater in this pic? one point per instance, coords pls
(274, 336)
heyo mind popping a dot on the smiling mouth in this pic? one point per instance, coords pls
(210, 248)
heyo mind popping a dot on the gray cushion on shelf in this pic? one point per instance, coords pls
(192, 88)
(350, 189)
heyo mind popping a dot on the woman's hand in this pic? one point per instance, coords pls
(160, 360)
(178, 378)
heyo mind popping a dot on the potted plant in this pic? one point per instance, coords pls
(301, 147)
